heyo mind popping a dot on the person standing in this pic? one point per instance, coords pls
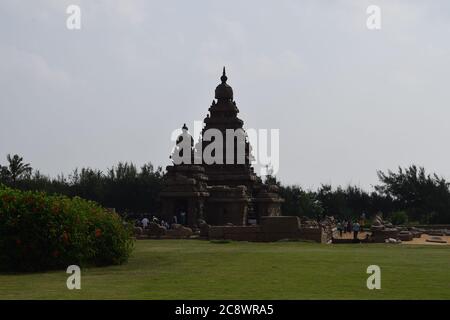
(356, 228)
(145, 222)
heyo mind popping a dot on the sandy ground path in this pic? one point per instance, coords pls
(424, 237)
(421, 240)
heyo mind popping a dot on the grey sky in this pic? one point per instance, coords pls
(347, 100)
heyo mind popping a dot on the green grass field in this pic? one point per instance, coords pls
(194, 269)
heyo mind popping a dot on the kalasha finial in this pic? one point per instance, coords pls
(224, 76)
(223, 90)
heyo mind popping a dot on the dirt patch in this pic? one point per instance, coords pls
(423, 240)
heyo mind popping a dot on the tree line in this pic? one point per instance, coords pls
(409, 194)
(124, 187)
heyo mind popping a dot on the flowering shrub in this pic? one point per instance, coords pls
(40, 232)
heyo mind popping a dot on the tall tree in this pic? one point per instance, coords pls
(425, 197)
(16, 168)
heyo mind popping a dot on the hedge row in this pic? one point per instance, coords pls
(41, 232)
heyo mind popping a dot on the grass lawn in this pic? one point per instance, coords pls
(194, 269)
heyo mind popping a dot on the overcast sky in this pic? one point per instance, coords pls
(348, 101)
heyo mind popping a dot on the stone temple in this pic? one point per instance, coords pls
(222, 192)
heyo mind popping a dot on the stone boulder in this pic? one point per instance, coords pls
(378, 221)
(405, 235)
(436, 240)
(417, 233)
(439, 233)
(155, 230)
(380, 236)
(379, 224)
(376, 228)
(138, 231)
(392, 240)
(178, 231)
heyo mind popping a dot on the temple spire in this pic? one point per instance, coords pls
(224, 76)
(223, 91)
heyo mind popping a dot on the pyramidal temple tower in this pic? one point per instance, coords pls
(222, 189)
(222, 117)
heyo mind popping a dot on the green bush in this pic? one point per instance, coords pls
(41, 232)
(399, 217)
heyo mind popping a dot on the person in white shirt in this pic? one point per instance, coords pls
(145, 222)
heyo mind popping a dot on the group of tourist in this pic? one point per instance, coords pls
(345, 226)
(145, 222)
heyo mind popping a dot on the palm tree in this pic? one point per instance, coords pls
(17, 168)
